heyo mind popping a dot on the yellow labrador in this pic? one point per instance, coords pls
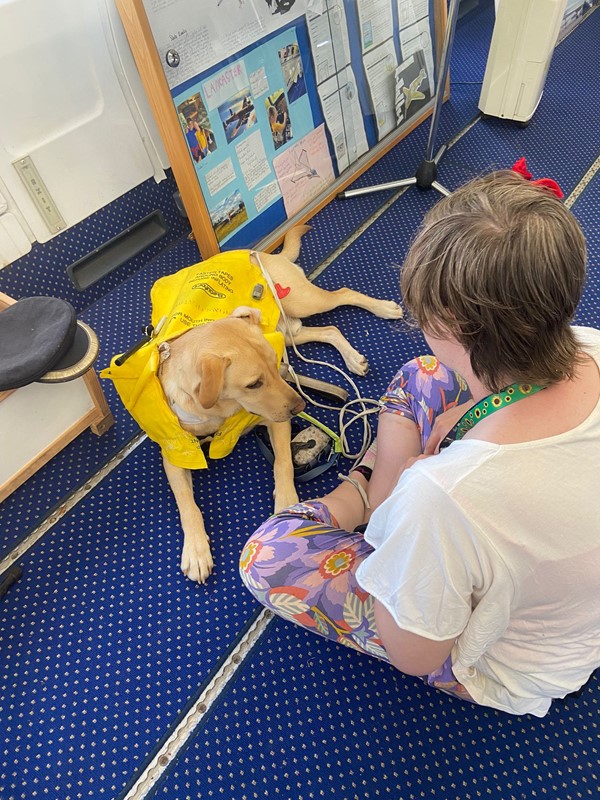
(211, 372)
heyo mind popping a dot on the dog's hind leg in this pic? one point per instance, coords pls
(386, 309)
(329, 334)
(310, 299)
(196, 558)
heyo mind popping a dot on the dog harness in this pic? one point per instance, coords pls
(195, 295)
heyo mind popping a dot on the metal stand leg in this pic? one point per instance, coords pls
(426, 174)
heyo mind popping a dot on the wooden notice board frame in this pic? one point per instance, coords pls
(150, 66)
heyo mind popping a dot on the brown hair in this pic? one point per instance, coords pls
(500, 264)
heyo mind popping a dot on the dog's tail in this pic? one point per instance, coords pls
(291, 243)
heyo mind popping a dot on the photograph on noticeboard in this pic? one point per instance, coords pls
(279, 118)
(237, 114)
(293, 71)
(228, 215)
(196, 127)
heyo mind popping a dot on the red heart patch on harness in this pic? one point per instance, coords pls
(282, 291)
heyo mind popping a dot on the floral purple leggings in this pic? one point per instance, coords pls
(302, 566)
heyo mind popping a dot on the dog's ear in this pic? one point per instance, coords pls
(245, 312)
(211, 370)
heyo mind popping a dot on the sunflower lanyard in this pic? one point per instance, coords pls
(490, 404)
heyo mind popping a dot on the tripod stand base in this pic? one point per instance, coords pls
(425, 178)
(426, 174)
(379, 188)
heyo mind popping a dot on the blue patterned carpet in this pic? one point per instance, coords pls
(308, 719)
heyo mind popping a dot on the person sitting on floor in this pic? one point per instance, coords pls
(479, 570)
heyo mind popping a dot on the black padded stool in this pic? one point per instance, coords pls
(42, 341)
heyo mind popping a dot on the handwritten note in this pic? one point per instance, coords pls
(253, 160)
(220, 176)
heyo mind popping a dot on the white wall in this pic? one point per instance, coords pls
(71, 100)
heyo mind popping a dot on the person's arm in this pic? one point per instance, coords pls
(421, 573)
(398, 439)
(443, 425)
(399, 446)
(409, 652)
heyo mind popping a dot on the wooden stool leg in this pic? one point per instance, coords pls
(104, 418)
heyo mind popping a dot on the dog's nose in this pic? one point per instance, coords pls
(298, 406)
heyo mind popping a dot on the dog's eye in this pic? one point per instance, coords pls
(256, 385)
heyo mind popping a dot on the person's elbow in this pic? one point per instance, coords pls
(409, 652)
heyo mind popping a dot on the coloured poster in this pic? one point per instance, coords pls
(192, 36)
(304, 170)
(236, 120)
(413, 90)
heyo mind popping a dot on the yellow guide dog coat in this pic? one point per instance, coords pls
(195, 295)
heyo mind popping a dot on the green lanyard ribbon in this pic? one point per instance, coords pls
(493, 402)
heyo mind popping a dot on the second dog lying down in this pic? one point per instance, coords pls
(221, 377)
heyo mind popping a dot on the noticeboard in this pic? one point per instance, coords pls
(269, 108)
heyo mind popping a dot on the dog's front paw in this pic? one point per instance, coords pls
(196, 558)
(356, 362)
(387, 309)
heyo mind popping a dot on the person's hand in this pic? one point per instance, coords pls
(407, 465)
(414, 460)
(444, 423)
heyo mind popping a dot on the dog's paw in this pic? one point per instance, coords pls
(387, 309)
(356, 362)
(196, 559)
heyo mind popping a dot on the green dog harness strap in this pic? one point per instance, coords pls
(493, 402)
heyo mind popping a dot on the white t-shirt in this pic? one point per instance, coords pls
(498, 546)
